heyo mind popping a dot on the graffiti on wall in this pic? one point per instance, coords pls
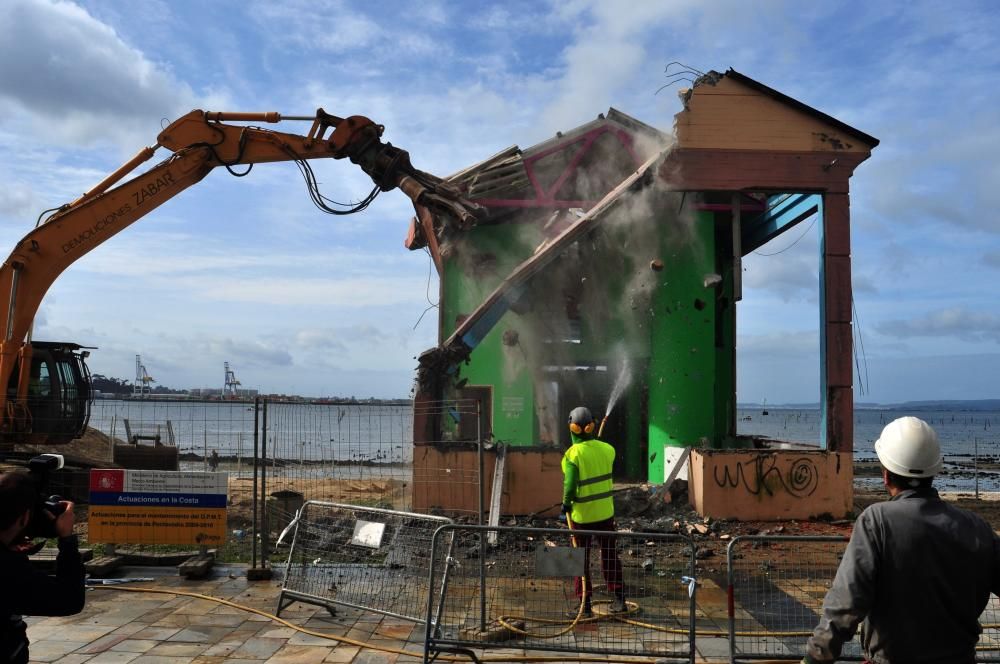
(764, 475)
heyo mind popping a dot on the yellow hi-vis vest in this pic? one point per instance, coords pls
(593, 460)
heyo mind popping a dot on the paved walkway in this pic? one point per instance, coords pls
(147, 628)
(151, 628)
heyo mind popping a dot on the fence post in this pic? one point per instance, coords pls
(256, 460)
(731, 598)
(482, 535)
(261, 573)
(263, 492)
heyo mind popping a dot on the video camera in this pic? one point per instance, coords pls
(41, 525)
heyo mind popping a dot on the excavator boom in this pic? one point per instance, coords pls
(199, 142)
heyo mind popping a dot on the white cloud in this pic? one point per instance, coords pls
(954, 322)
(790, 277)
(77, 79)
(339, 338)
(780, 344)
(17, 200)
(175, 254)
(329, 26)
(605, 56)
(334, 27)
(361, 292)
(247, 353)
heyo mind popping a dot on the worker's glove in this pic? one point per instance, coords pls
(566, 507)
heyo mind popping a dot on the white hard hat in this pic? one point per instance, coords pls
(909, 447)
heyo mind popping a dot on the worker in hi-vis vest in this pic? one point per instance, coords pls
(588, 503)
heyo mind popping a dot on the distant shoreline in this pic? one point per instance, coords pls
(955, 405)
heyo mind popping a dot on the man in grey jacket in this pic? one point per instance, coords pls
(918, 571)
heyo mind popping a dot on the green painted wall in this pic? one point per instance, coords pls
(682, 367)
(684, 349)
(487, 255)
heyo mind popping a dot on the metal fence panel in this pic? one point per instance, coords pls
(520, 593)
(776, 590)
(988, 649)
(364, 557)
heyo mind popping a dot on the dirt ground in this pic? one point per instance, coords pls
(388, 493)
(92, 450)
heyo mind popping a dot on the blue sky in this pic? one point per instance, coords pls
(248, 271)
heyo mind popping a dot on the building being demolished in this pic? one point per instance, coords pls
(611, 254)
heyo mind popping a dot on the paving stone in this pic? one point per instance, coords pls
(73, 659)
(373, 657)
(277, 632)
(259, 648)
(119, 615)
(78, 633)
(218, 619)
(135, 645)
(257, 618)
(42, 629)
(401, 632)
(360, 634)
(291, 654)
(131, 628)
(172, 620)
(160, 659)
(197, 607)
(247, 629)
(300, 639)
(156, 633)
(224, 648)
(713, 647)
(112, 657)
(155, 615)
(178, 649)
(200, 634)
(50, 651)
(103, 643)
(342, 654)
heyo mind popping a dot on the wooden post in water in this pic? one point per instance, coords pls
(975, 463)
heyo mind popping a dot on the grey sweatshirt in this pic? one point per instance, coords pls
(919, 572)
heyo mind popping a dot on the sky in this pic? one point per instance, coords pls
(246, 270)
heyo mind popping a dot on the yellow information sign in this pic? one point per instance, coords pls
(157, 507)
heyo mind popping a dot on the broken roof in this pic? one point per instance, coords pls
(542, 176)
(572, 170)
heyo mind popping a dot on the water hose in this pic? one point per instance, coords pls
(509, 621)
(364, 644)
(600, 429)
(446, 658)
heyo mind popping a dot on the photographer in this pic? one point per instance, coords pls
(23, 589)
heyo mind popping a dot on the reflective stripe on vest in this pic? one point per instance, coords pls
(593, 501)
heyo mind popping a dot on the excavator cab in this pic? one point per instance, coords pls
(59, 394)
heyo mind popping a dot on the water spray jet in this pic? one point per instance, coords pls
(623, 380)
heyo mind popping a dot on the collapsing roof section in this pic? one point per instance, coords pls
(524, 186)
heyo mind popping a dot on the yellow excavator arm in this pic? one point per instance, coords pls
(199, 142)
